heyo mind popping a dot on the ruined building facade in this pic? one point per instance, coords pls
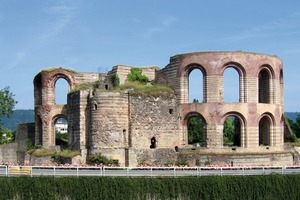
(137, 129)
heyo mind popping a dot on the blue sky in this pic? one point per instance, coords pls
(86, 35)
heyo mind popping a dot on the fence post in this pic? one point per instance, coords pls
(174, 172)
(53, 170)
(151, 172)
(200, 171)
(221, 171)
(77, 172)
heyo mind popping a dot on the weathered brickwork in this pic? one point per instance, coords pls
(136, 129)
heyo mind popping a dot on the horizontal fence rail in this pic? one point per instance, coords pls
(144, 171)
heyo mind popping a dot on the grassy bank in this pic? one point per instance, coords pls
(214, 187)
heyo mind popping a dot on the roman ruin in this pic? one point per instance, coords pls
(136, 129)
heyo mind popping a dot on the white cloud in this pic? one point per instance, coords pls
(164, 24)
(285, 26)
(62, 17)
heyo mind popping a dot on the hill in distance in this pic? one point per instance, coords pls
(27, 116)
(18, 117)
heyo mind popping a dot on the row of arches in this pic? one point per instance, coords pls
(234, 130)
(234, 85)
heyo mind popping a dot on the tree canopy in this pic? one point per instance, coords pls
(7, 104)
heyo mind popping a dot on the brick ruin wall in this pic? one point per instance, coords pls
(214, 110)
(121, 126)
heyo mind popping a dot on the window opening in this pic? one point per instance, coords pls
(153, 143)
(196, 134)
(61, 132)
(263, 88)
(232, 131)
(264, 131)
(61, 91)
(195, 89)
(231, 85)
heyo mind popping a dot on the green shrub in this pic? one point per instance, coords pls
(98, 158)
(182, 162)
(42, 152)
(136, 75)
(189, 188)
(115, 80)
(148, 90)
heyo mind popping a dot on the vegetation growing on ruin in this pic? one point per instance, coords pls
(55, 68)
(115, 80)
(86, 86)
(98, 158)
(66, 153)
(59, 156)
(41, 152)
(206, 187)
(136, 75)
(153, 90)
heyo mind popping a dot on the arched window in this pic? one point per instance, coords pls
(196, 84)
(264, 86)
(232, 133)
(61, 91)
(61, 131)
(196, 130)
(264, 131)
(231, 85)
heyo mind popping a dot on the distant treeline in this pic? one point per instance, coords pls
(18, 117)
(25, 116)
(209, 187)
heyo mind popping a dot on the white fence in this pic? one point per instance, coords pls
(144, 171)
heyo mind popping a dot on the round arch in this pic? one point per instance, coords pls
(187, 73)
(60, 129)
(265, 129)
(241, 79)
(265, 77)
(55, 78)
(239, 124)
(268, 68)
(237, 66)
(195, 125)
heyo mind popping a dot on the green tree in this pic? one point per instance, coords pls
(195, 130)
(296, 127)
(115, 80)
(293, 128)
(228, 131)
(6, 136)
(7, 104)
(136, 75)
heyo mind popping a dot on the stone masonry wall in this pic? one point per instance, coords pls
(153, 118)
(78, 117)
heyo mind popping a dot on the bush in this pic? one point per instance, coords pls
(42, 152)
(136, 75)
(115, 80)
(148, 90)
(182, 162)
(98, 158)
